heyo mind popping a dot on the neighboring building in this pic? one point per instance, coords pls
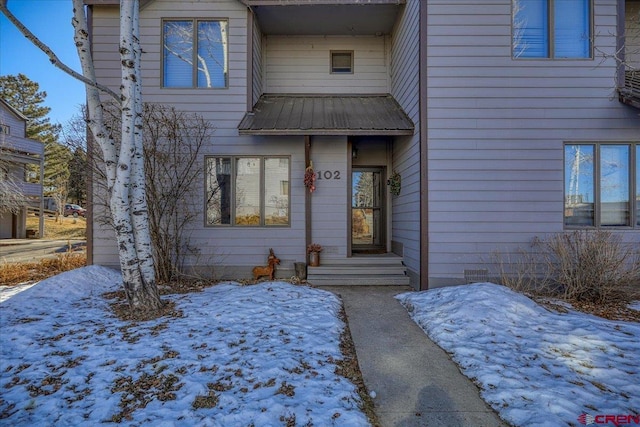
(16, 153)
(439, 131)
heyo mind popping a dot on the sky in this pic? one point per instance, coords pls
(50, 21)
(264, 354)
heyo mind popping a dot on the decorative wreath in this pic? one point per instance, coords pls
(395, 183)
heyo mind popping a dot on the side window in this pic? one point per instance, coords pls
(195, 54)
(558, 29)
(599, 185)
(247, 191)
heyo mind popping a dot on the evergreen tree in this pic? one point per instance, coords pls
(25, 96)
(78, 176)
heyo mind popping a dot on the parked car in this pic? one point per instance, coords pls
(74, 210)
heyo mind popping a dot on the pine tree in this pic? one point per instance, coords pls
(78, 168)
(25, 96)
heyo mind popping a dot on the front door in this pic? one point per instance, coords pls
(367, 211)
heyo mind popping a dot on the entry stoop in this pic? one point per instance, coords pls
(363, 270)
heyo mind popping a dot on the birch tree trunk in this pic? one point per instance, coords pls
(128, 201)
(124, 165)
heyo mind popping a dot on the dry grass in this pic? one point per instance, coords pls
(29, 272)
(61, 227)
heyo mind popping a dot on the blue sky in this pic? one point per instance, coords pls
(50, 21)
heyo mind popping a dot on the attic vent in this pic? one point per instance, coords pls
(476, 276)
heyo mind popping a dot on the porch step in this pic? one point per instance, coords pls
(359, 270)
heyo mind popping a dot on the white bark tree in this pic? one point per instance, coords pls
(124, 163)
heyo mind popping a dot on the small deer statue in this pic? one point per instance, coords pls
(269, 270)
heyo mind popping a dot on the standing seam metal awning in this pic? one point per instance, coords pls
(326, 115)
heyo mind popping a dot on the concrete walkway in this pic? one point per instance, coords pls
(415, 381)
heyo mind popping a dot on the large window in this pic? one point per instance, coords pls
(247, 191)
(194, 53)
(551, 28)
(599, 185)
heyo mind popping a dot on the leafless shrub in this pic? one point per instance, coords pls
(593, 266)
(172, 143)
(518, 270)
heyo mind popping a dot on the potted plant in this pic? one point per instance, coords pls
(314, 250)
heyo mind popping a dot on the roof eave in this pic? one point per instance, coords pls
(326, 132)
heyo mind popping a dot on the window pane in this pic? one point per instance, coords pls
(248, 191)
(276, 191)
(530, 29)
(578, 185)
(218, 190)
(614, 185)
(178, 54)
(212, 54)
(341, 62)
(572, 29)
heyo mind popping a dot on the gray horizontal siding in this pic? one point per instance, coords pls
(302, 65)
(224, 108)
(497, 127)
(405, 225)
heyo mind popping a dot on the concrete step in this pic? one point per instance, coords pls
(360, 281)
(359, 270)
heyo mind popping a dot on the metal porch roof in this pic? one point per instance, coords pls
(326, 115)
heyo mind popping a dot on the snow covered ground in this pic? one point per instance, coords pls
(265, 355)
(261, 355)
(535, 367)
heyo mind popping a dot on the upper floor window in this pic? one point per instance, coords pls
(247, 191)
(4, 129)
(341, 62)
(551, 28)
(195, 53)
(599, 185)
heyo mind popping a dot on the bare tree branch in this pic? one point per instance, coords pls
(52, 56)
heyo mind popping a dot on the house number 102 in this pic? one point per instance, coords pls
(328, 175)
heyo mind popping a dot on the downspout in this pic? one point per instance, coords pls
(424, 149)
(90, 162)
(307, 198)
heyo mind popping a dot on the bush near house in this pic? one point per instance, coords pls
(586, 266)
